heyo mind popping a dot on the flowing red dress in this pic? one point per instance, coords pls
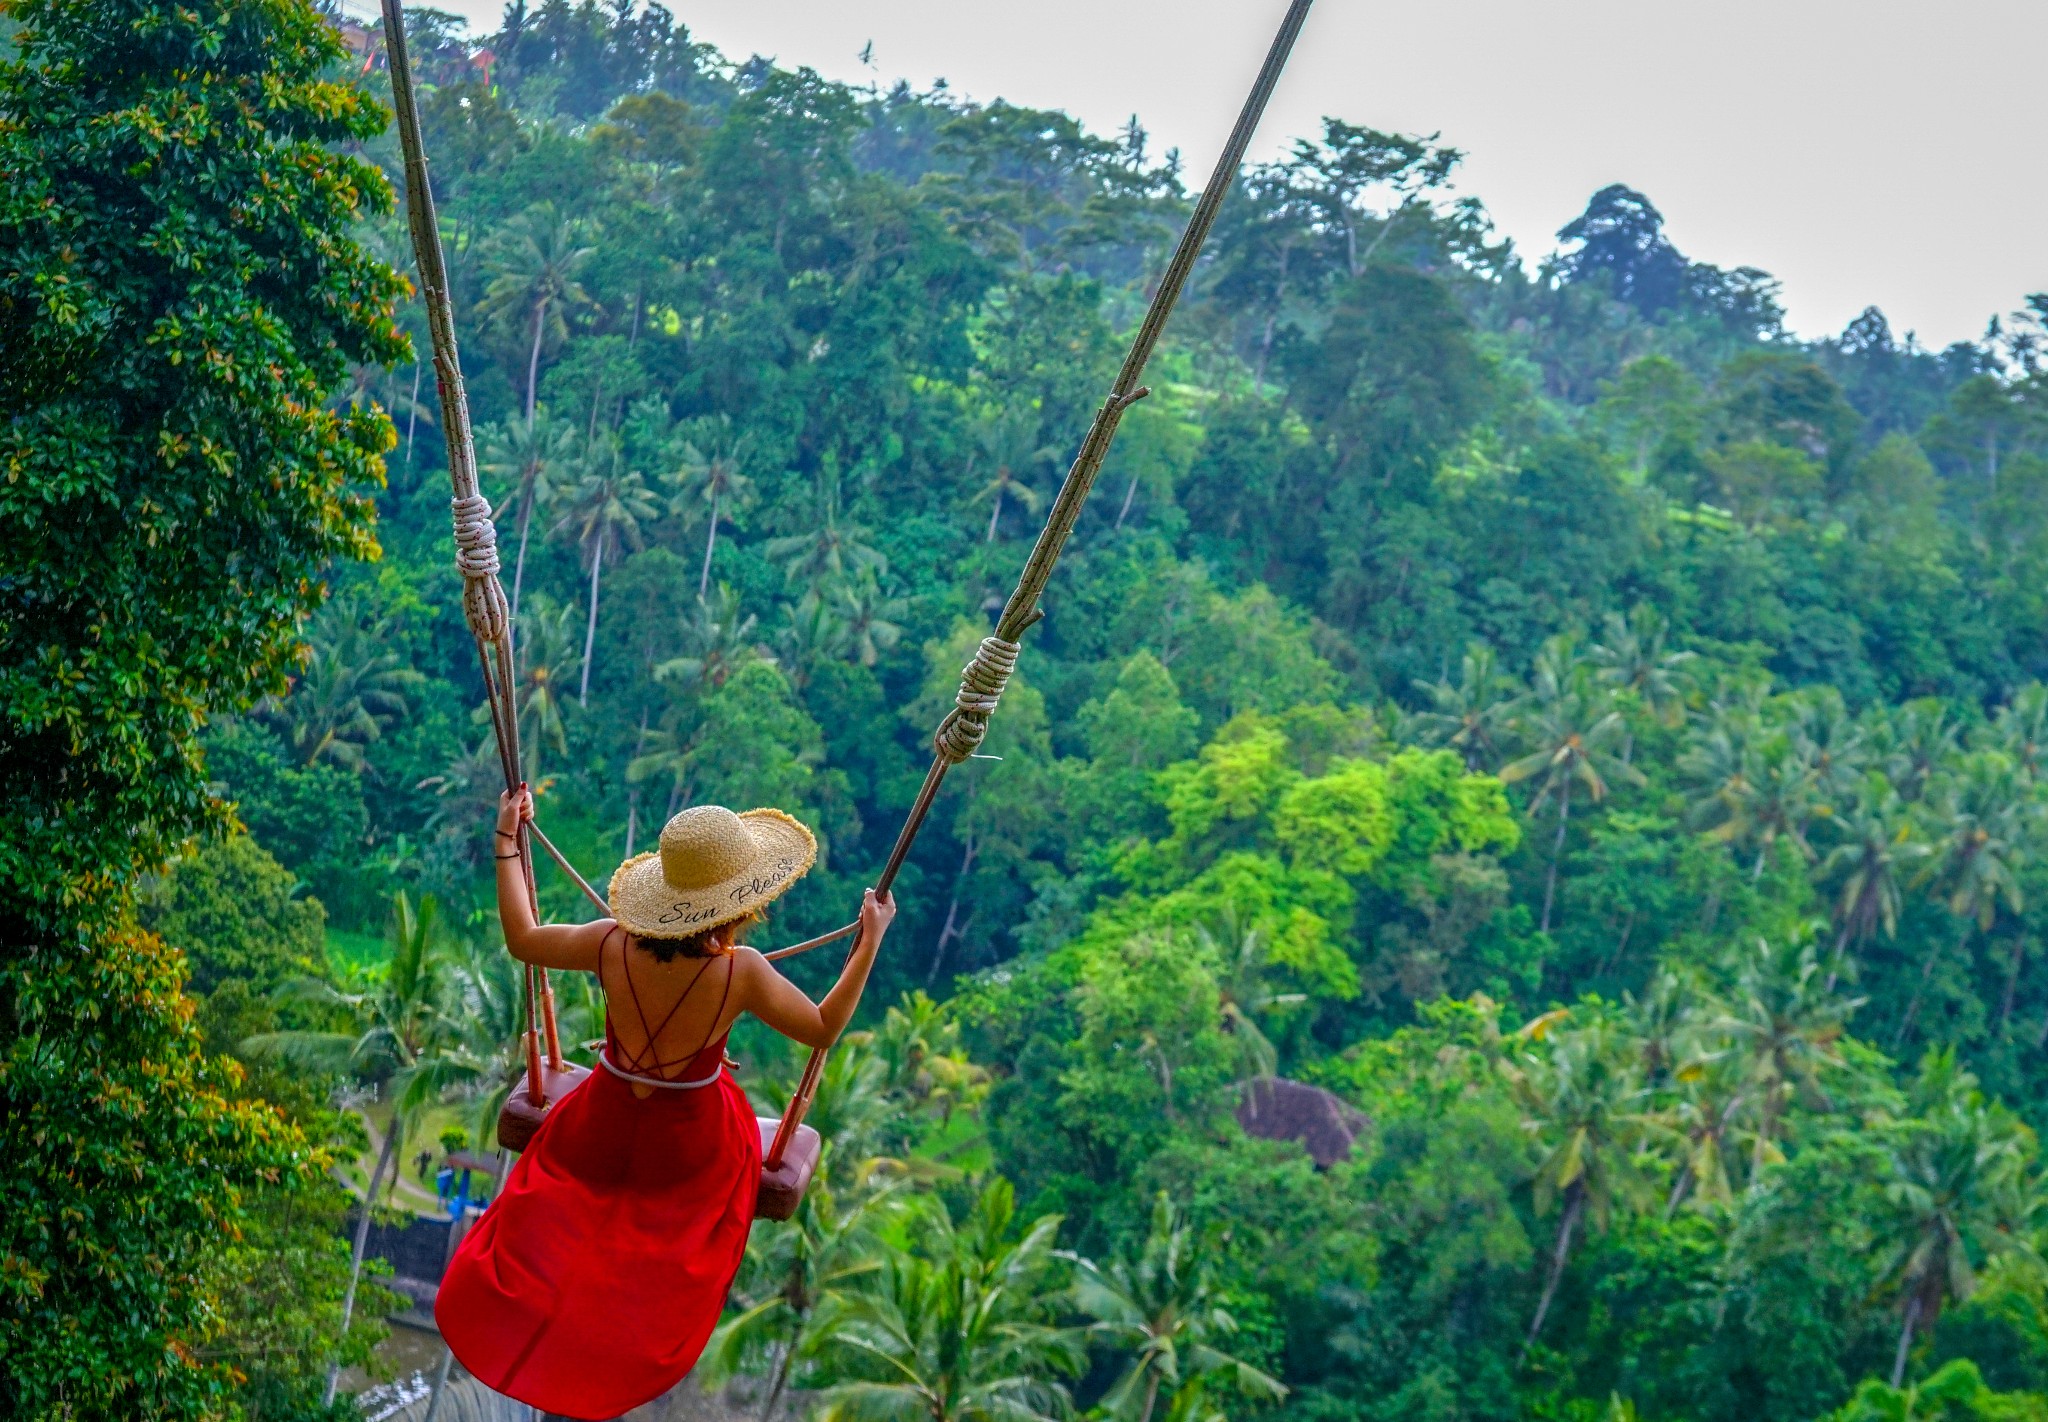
(594, 1280)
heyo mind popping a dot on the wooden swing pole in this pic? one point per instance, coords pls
(476, 537)
(982, 681)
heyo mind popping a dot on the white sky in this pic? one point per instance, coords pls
(1863, 151)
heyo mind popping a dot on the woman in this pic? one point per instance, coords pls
(593, 1282)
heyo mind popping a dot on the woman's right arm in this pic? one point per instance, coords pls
(781, 1003)
(548, 945)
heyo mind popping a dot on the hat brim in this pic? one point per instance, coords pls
(646, 905)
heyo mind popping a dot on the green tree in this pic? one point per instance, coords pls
(236, 913)
(955, 1329)
(720, 483)
(182, 293)
(1162, 1307)
(400, 1036)
(530, 457)
(352, 688)
(535, 263)
(605, 511)
(1571, 726)
(1473, 715)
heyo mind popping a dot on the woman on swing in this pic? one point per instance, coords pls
(593, 1282)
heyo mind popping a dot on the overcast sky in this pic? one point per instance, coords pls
(1881, 152)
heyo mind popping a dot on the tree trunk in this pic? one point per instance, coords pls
(1920, 988)
(781, 1377)
(1835, 964)
(1564, 814)
(947, 933)
(526, 488)
(540, 326)
(440, 1382)
(995, 512)
(1560, 1254)
(2012, 979)
(1130, 492)
(1680, 1186)
(412, 418)
(362, 1243)
(590, 629)
(1911, 1320)
(710, 543)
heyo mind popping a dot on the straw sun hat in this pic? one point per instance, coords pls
(713, 866)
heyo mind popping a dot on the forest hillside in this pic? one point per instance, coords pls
(1592, 736)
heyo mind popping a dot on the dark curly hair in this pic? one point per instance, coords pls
(698, 945)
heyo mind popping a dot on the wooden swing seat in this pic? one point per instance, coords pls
(782, 1185)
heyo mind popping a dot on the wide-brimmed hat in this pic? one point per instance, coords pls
(713, 866)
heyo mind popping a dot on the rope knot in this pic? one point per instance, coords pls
(981, 688)
(476, 557)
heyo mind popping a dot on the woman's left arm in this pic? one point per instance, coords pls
(574, 946)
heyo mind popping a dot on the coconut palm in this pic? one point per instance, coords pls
(1962, 1189)
(955, 1329)
(1243, 992)
(533, 262)
(718, 483)
(1984, 822)
(717, 638)
(923, 1063)
(605, 511)
(533, 459)
(1473, 715)
(2021, 729)
(1573, 727)
(1914, 743)
(547, 664)
(1163, 1309)
(810, 633)
(1832, 742)
(350, 688)
(1632, 658)
(1785, 1027)
(869, 618)
(1782, 799)
(1008, 442)
(1580, 1092)
(401, 1036)
(1878, 844)
(828, 547)
(828, 1246)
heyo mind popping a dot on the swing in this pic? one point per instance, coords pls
(789, 1148)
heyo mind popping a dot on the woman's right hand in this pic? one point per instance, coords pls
(876, 914)
(514, 808)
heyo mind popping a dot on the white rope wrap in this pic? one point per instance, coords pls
(476, 556)
(981, 687)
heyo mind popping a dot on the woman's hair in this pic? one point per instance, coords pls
(698, 945)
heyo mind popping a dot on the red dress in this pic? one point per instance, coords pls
(593, 1281)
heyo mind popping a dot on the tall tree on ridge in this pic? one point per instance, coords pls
(605, 510)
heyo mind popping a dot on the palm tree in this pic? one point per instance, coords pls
(828, 547)
(1580, 1093)
(810, 633)
(534, 261)
(401, 1036)
(1163, 1308)
(955, 1330)
(1781, 800)
(1473, 715)
(1962, 1188)
(1985, 821)
(867, 616)
(605, 510)
(528, 457)
(718, 639)
(923, 1063)
(2021, 729)
(1572, 724)
(1241, 967)
(1879, 840)
(719, 482)
(349, 690)
(1784, 1025)
(1914, 743)
(547, 662)
(1632, 659)
(830, 1245)
(1832, 742)
(1009, 442)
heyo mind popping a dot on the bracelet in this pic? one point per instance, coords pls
(505, 834)
(515, 854)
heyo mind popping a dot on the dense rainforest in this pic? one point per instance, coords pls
(1592, 735)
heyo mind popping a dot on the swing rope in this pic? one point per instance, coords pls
(982, 681)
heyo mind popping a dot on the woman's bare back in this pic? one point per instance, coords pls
(663, 1015)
